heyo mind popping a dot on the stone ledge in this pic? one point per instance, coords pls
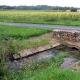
(27, 52)
(16, 56)
(34, 50)
(41, 48)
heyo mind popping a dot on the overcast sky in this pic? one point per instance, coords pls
(70, 3)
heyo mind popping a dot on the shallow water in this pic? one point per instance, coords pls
(68, 62)
(16, 64)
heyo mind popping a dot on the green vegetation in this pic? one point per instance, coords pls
(16, 38)
(46, 70)
(17, 45)
(41, 17)
(21, 32)
(73, 10)
(13, 39)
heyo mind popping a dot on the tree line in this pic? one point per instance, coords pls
(38, 7)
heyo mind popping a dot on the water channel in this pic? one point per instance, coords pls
(15, 64)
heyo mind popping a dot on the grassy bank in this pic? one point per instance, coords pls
(41, 17)
(17, 38)
(46, 70)
(42, 70)
(21, 32)
(13, 39)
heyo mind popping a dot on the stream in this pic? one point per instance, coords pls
(16, 64)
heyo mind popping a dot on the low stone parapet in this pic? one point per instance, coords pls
(71, 38)
(31, 51)
(68, 35)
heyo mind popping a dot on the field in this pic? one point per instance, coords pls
(14, 39)
(41, 17)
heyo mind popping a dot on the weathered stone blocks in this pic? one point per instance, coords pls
(27, 52)
(69, 38)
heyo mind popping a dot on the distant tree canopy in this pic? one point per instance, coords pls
(73, 10)
(38, 7)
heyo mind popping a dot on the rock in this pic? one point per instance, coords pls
(16, 56)
(25, 52)
(66, 37)
(56, 44)
(76, 66)
(34, 50)
(41, 48)
(47, 47)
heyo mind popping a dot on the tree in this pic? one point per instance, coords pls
(73, 10)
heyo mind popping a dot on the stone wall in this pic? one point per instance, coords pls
(70, 38)
(68, 35)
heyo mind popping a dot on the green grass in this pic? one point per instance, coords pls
(16, 38)
(17, 45)
(47, 74)
(46, 70)
(13, 39)
(21, 32)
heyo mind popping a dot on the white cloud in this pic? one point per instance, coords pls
(74, 3)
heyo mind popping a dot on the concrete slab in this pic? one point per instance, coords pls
(25, 52)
